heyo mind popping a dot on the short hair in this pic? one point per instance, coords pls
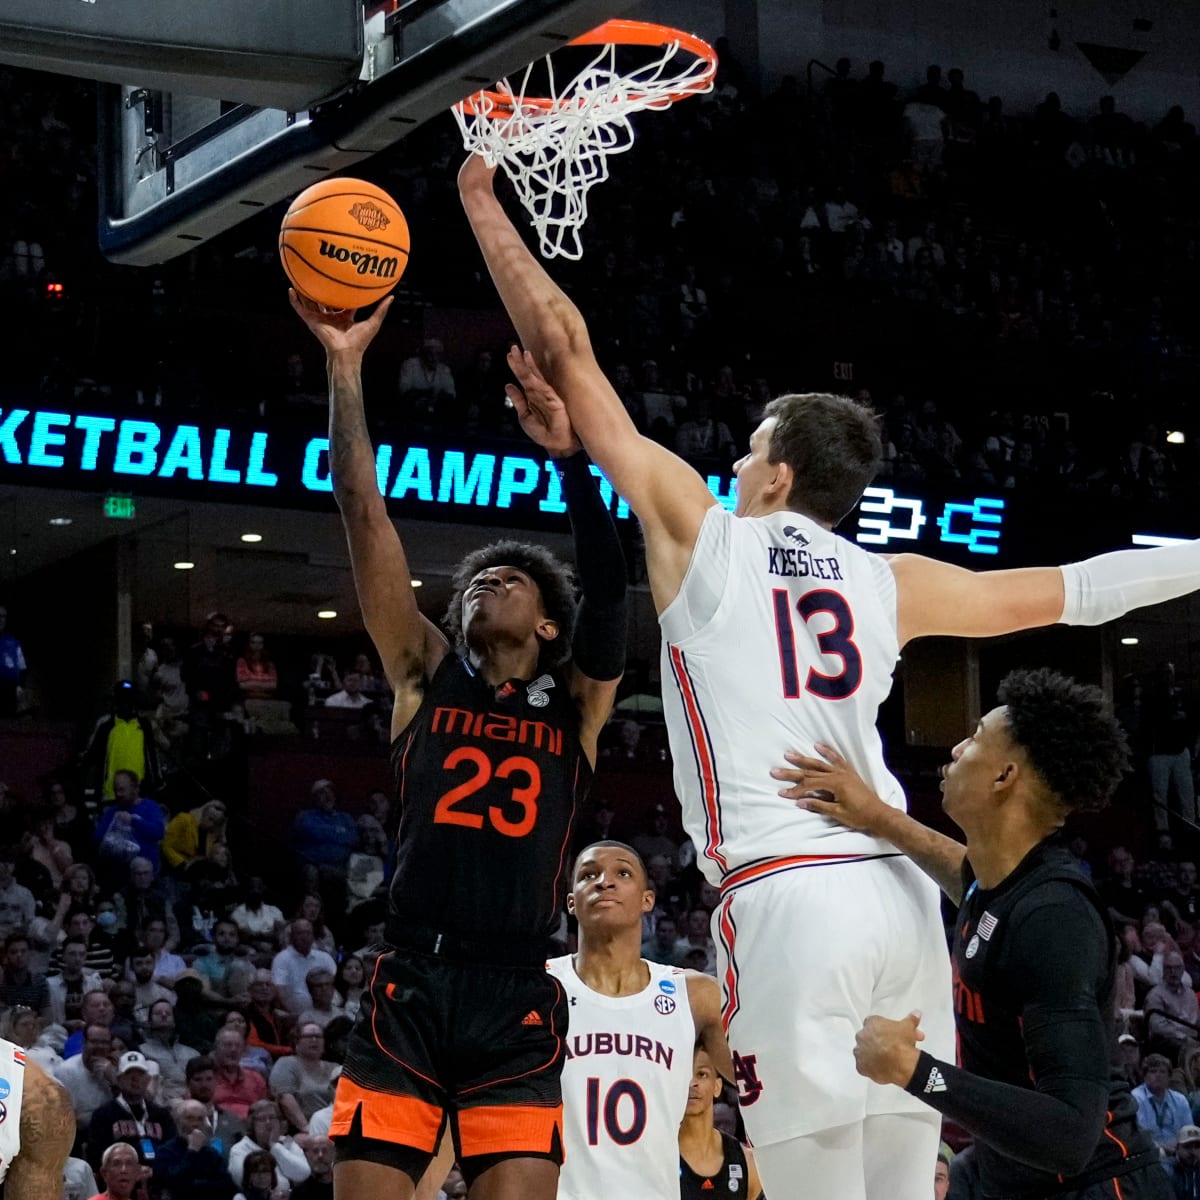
(111, 1151)
(552, 577)
(613, 844)
(74, 940)
(319, 975)
(1069, 733)
(14, 938)
(833, 447)
(140, 952)
(1153, 1062)
(197, 1066)
(259, 1160)
(132, 775)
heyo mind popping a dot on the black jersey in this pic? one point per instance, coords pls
(1034, 971)
(732, 1180)
(489, 781)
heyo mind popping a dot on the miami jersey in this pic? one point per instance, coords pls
(782, 635)
(625, 1086)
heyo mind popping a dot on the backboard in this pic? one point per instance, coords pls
(177, 169)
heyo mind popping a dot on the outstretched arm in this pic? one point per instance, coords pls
(669, 498)
(936, 598)
(704, 994)
(409, 646)
(813, 780)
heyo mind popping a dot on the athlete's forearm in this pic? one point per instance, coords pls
(351, 455)
(544, 316)
(940, 857)
(1049, 1132)
(1106, 587)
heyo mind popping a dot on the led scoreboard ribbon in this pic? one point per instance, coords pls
(443, 482)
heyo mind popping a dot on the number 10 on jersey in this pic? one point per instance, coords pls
(835, 643)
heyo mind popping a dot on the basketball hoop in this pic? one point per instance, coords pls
(555, 147)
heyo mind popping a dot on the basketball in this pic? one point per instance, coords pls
(344, 243)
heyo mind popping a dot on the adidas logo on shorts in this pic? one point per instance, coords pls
(532, 1018)
(935, 1082)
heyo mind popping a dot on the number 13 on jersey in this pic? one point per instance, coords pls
(835, 643)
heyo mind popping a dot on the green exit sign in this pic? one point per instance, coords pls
(120, 507)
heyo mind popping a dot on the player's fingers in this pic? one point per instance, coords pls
(830, 754)
(818, 802)
(516, 398)
(805, 763)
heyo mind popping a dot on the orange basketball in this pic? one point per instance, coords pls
(344, 243)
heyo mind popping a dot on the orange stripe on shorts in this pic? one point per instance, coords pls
(505, 1128)
(403, 1120)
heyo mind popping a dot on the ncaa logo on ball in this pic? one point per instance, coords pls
(664, 1005)
(973, 946)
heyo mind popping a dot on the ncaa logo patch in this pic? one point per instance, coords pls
(664, 1005)
(973, 946)
(665, 985)
(5, 1088)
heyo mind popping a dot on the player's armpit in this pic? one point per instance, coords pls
(937, 599)
(754, 1188)
(704, 995)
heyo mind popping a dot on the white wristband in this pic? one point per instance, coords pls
(1108, 586)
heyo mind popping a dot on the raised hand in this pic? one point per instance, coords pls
(886, 1051)
(540, 409)
(338, 331)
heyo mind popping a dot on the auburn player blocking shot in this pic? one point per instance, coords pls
(633, 1026)
(709, 1160)
(779, 634)
(494, 740)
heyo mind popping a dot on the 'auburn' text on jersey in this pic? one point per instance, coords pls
(782, 635)
(489, 780)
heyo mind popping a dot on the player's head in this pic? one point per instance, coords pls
(1052, 747)
(812, 453)
(610, 888)
(512, 591)
(705, 1086)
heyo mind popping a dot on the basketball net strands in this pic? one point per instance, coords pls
(555, 147)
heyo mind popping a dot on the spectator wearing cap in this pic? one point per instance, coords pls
(1186, 1180)
(1161, 1111)
(323, 836)
(131, 1117)
(291, 966)
(236, 1088)
(131, 827)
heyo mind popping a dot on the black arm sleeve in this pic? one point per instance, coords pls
(1052, 959)
(598, 646)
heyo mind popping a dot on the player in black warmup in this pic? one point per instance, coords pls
(494, 741)
(709, 1160)
(1034, 953)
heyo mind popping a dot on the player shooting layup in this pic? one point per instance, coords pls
(777, 635)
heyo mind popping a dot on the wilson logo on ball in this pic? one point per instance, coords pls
(380, 266)
(370, 216)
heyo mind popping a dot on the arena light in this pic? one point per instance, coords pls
(327, 614)
(1129, 641)
(184, 565)
(252, 537)
(416, 582)
(60, 522)
(1176, 437)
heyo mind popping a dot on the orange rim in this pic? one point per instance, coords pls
(619, 33)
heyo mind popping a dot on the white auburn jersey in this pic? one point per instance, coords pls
(782, 635)
(12, 1089)
(625, 1086)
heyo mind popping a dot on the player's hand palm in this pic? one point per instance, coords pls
(338, 330)
(829, 785)
(540, 409)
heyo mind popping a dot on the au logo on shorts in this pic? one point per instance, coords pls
(664, 1005)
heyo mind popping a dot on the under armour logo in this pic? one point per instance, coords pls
(536, 691)
(935, 1082)
(798, 536)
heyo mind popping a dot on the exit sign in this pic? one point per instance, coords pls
(120, 507)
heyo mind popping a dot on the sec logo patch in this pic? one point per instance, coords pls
(664, 1005)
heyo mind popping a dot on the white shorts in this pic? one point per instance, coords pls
(804, 957)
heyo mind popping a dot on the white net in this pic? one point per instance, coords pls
(555, 152)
